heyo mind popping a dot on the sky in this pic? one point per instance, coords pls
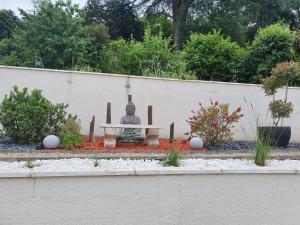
(26, 4)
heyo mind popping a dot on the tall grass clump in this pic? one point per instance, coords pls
(96, 163)
(262, 150)
(173, 159)
(263, 142)
(30, 163)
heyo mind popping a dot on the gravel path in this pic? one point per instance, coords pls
(47, 154)
(81, 165)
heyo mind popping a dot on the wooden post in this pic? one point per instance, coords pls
(150, 121)
(129, 98)
(108, 113)
(171, 132)
(92, 129)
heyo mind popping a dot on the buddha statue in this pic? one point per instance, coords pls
(130, 134)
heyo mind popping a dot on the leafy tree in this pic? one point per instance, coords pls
(158, 23)
(272, 45)
(119, 16)
(94, 11)
(179, 9)
(8, 22)
(232, 18)
(98, 37)
(179, 13)
(297, 44)
(213, 57)
(267, 12)
(240, 19)
(56, 33)
(15, 51)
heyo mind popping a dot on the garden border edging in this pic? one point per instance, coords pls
(146, 172)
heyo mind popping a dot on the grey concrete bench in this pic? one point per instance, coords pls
(110, 133)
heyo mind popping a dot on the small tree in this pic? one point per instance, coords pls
(281, 76)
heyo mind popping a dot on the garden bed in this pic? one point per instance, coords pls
(7, 145)
(164, 145)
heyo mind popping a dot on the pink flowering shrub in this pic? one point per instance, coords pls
(213, 123)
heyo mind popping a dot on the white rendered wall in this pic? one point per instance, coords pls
(87, 94)
(191, 199)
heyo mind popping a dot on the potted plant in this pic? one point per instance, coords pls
(281, 76)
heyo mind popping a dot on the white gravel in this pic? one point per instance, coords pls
(85, 165)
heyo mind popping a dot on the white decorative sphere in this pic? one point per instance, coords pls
(51, 141)
(196, 143)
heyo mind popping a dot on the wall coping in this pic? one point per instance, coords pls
(71, 72)
(148, 172)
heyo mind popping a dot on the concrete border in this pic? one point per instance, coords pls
(162, 196)
(147, 172)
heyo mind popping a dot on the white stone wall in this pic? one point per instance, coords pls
(87, 94)
(211, 198)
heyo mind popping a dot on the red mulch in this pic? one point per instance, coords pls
(164, 145)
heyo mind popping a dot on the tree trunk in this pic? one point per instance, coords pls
(179, 11)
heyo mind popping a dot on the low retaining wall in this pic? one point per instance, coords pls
(88, 93)
(142, 197)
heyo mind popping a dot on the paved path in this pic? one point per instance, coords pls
(47, 154)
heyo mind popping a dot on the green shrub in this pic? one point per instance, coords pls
(273, 44)
(96, 163)
(152, 57)
(297, 44)
(175, 69)
(70, 136)
(71, 139)
(173, 159)
(213, 123)
(213, 57)
(71, 125)
(87, 68)
(29, 117)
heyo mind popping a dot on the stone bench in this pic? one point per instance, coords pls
(110, 133)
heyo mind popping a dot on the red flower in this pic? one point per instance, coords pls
(214, 123)
(225, 115)
(239, 109)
